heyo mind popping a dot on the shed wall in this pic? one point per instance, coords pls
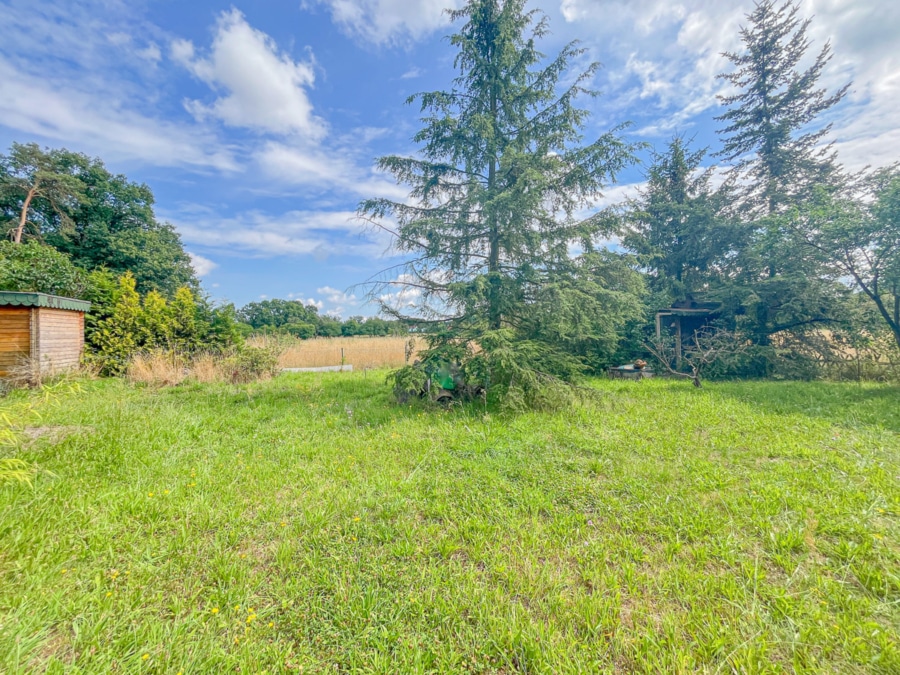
(60, 338)
(15, 336)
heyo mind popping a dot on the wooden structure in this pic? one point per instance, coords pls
(684, 319)
(629, 372)
(37, 328)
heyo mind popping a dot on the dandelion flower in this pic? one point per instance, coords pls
(356, 520)
(271, 624)
(165, 492)
(63, 570)
(145, 657)
(108, 593)
(214, 610)
(283, 524)
(149, 494)
(237, 607)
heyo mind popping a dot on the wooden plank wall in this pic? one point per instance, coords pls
(60, 338)
(15, 336)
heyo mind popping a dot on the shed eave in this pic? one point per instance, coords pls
(23, 299)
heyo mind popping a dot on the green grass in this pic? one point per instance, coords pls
(308, 525)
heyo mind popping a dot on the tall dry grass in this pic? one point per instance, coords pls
(160, 369)
(360, 352)
(238, 366)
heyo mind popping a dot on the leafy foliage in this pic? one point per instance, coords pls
(32, 267)
(127, 324)
(101, 220)
(37, 185)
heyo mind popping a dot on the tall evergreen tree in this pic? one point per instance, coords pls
(501, 175)
(770, 122)
(773, 133)
(679, 226)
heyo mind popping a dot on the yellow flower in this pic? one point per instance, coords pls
(237, 607)
(271, 624)
(108, 594)
(149, 494)
(356, 520)
(145, 657)
(63, 570)
(283, 524)
(214, 610)
(165, 492)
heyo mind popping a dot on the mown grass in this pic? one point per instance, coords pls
(308, 525)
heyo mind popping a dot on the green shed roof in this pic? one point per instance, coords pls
(8, 298)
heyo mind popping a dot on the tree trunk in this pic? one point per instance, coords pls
(495, 320)
(23, 217)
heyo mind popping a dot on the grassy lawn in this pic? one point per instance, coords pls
(307, 525)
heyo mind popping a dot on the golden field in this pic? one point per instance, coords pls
(360, 352)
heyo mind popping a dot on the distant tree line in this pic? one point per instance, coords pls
(292, 317)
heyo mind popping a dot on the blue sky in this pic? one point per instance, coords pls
(256, 124)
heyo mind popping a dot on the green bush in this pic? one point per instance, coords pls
(32, 267)
(125, 325)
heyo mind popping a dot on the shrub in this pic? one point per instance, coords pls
(32, 267)
(249, 364)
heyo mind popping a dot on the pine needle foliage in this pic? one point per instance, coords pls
(497, 186)
(770, 125)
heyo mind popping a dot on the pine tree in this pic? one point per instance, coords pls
(770, 124)
(774, 135)
(500, 177)
(678, 225)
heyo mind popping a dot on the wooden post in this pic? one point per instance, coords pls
(678, 342)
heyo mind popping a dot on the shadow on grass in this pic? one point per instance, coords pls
(847, 404)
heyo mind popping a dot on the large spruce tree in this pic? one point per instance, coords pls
(774, 134)
(500, 178)
(771, 125)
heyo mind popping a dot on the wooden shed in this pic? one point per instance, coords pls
(40, 328)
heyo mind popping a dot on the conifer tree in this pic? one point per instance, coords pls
(774, 134)
(770, 125)
(501, 174)
(678, 225)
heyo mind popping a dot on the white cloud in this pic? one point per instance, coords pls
(337, 297)
(405, 297)
(674, 54)
(412, 73)
(63, 109)
(83, 74)
(298, 165)
(388, 21)
(202, 266)
(316, 233)
(264, 89)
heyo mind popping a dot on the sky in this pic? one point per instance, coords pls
(257, 124)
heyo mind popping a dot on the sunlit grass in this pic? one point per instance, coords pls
(308, 523)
